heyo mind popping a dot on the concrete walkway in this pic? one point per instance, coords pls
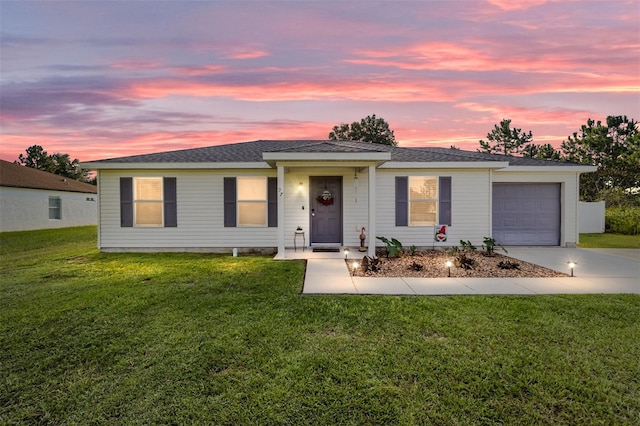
(596, 271)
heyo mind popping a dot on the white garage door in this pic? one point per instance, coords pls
(526, 214)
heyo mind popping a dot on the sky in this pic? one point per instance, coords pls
(104, 79)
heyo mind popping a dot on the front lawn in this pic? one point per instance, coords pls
(607, 240)
(96, 338)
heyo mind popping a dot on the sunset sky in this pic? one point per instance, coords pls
(101, 79)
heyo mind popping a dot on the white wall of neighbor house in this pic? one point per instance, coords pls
(200, 212)
(470, 208)
(569, 184)
(24, 209)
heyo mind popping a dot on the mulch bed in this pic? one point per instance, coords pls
(433, 264)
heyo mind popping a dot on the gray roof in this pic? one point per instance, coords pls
(252, 152)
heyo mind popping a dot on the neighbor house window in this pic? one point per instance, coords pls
(147, 201)
(252, 201)
(423, 200)
(55, 205)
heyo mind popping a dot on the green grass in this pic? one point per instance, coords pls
(608, 240)
(94, 338)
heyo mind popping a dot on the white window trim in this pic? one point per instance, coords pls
(136, 201)
(265, 202)
(430, 200)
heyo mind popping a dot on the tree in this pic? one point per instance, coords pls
(505, 140)
(614, 148)
(369, 129)
(58, 163)
(544, 152)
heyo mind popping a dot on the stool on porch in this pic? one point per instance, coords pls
(295, 237)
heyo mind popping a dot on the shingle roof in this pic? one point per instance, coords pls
(252, 152)
(17, 176)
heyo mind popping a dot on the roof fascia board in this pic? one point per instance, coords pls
(553, 169)
(445, 165)
(150, 166)
(326, 156)
(326, 163)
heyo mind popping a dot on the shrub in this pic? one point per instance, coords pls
(490, 245)
(508, 264)
(370, 264)
(393, 246)
(623, 220)
(413, 250)
(416, 266)
(464, 261)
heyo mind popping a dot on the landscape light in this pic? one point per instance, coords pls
(355, 265)
(346, 253)
(449, 264)
(571, 266)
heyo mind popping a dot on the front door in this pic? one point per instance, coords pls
(326, 210)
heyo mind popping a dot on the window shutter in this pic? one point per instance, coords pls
(444, 209)
(229, 202)
(402, 201)
(126, 202)
(170, 203)
(272, 202)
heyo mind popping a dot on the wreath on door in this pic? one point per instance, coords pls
(325, 198)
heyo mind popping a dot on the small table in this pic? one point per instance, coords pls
(304, 241)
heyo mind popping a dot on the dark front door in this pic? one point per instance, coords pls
(326, 210)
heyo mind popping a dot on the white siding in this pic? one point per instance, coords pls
(568, 198)
(470, 208)
(24, 209)
(200, 212)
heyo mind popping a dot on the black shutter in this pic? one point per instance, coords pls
(402, 201)
(272, 202)
(444, 209)
(230, 202)
(126, 202)
(170, 203)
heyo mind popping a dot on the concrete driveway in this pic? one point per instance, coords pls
(590, 263)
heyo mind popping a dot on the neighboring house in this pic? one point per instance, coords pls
(254, 195)
(33, 199)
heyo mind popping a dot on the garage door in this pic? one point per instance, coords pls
(526, 214)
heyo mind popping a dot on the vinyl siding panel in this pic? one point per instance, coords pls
(470, 212)
(200, 212)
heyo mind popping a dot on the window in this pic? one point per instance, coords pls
(147, 200)
(55, 205)
(423, 200)
(252, 201)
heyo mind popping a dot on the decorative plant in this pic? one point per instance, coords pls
(490, 244)
(416, 266)
(393, 246)
(467, 246)
(508, 264)
(413, 250)
(464, 261)
(370, 264)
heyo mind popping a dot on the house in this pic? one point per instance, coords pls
(33, 199)
(254, 195)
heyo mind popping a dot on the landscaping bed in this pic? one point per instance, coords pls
(432, 264)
